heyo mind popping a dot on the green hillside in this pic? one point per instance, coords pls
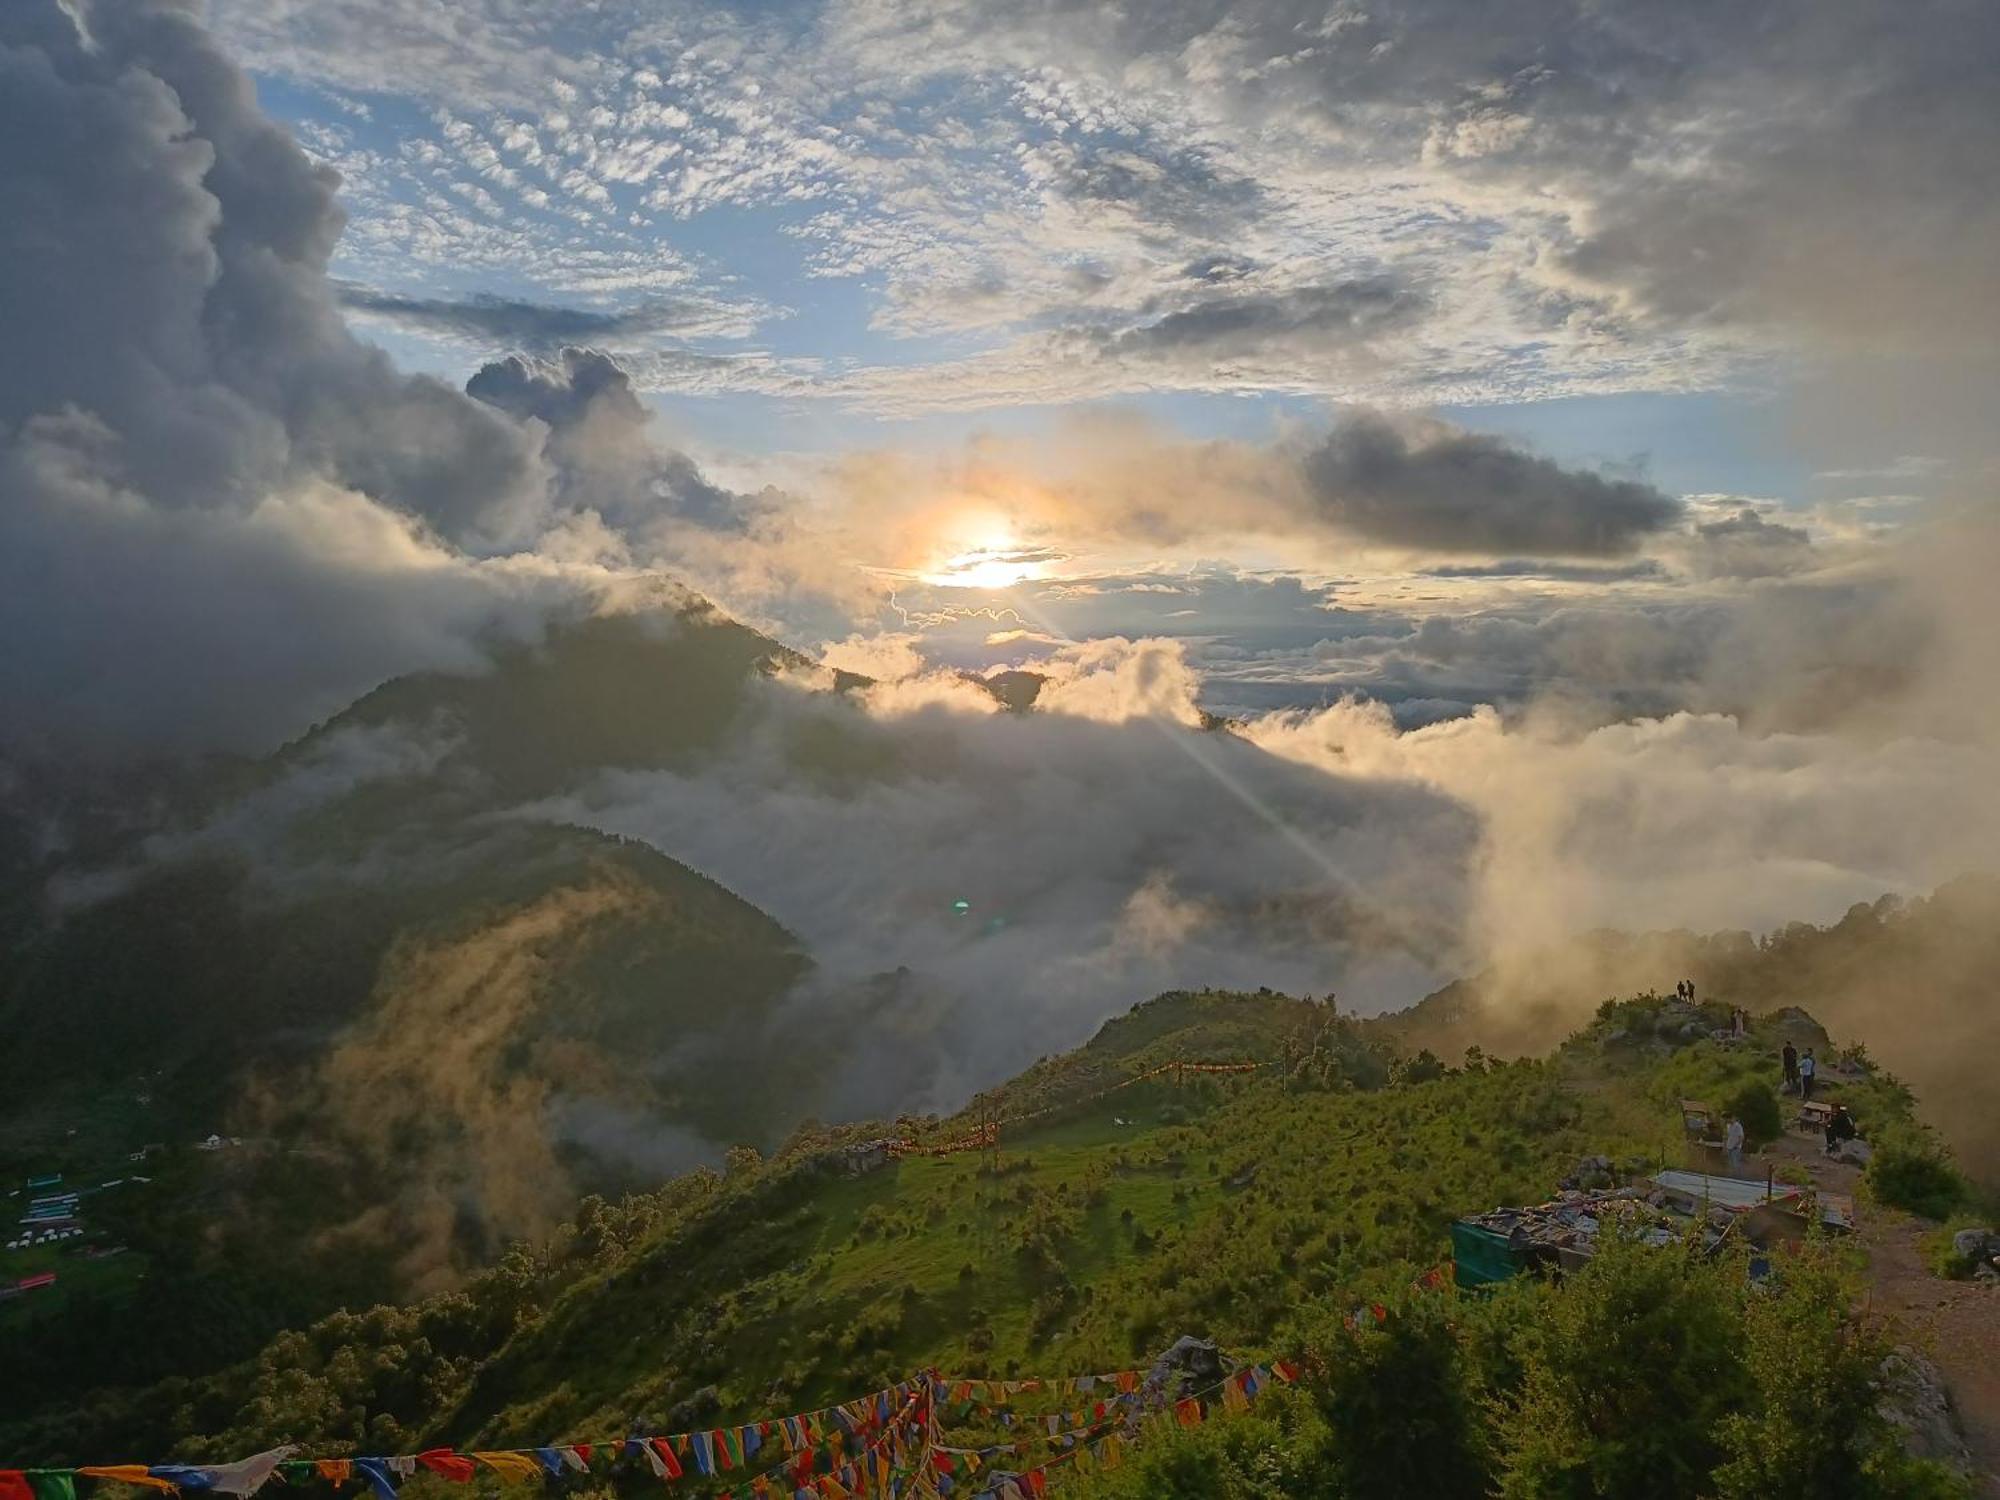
(1257, 1209)
(1913, 979)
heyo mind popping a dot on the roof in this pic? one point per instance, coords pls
(1727, 1192)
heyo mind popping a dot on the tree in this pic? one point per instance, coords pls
(1396, 1400)
(1625, 1377)
(1813, 1430)
(1757, 1107)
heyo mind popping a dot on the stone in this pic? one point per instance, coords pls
(1196, 1363)
(1915, 1402)
(1856, 1153)
(695, 1410)
(1972, 1243)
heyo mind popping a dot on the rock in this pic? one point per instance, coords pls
(1972, 1244)
(1915, 1402)
(1193, 1363)
(1591, 1172)
(1855, 1153)
(695, 1410)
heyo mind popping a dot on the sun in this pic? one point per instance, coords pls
(985, 568)
(991, 557)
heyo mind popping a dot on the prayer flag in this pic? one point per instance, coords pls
(453, 1466)
(660, 1454)
(52, 1484)
(334, 1470)
(128, 1474)
(14, 1485)
(510, 1465)
(376, 1471)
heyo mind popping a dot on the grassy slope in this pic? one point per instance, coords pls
(1097, 1243)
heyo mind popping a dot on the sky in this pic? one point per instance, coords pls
(1552, 433)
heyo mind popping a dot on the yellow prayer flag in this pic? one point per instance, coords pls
(512, 1466)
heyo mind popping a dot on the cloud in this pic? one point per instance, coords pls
(487, 322)
(600, 445)
(1745, 545)
(1438, 489)
(1070, 832)
(219, 513)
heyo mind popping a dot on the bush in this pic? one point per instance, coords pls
(1914, 1171)
(1396, 1400)
(1812, 1429)
(1625, 1378)
(1756, 1105)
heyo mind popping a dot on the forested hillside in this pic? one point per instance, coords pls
(1259, 1209)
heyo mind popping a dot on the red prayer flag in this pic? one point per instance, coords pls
(666, 1451)
(14, 1485)
(453, 1466)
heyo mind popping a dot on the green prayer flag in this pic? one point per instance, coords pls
(53, 1484)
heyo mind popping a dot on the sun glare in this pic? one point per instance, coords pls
(985, 568)
(990, 558)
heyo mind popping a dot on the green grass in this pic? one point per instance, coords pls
(1239, 1208)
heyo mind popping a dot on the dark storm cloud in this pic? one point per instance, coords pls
(1436, 488)
(536, 327)
(165, 248)
(188, 433)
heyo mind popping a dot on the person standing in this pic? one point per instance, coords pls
(1732, 1142)
(1791, 1061)
(1839, 1127)
(1808, 1069)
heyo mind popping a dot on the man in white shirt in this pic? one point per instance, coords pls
(1732, 1142)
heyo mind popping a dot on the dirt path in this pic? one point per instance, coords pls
(1955, 1323)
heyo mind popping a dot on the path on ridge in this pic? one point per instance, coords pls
(1954, 1323)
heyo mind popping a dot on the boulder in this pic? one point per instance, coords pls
(1856, 1153)
(1976, 1244)
(1190, 1364)
(1591, 1172)
(1915, 1402)
(695, 1410)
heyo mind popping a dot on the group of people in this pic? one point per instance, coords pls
(1801, 1074)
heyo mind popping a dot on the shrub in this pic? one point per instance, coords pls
(1756, 1105)
(1625, 1377)
(1913, 1170)
(1813, 1430)
(1396, 1401)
